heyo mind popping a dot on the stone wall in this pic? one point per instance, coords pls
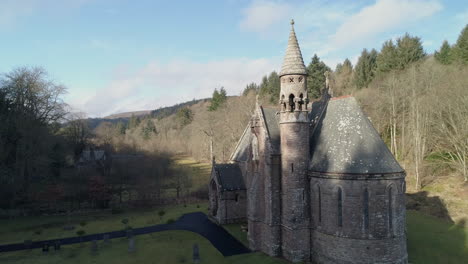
(233, 207)
(295, 196)
(365, 224)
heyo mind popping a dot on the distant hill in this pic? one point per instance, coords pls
(167, 111)
(128, 114)
(157, 113)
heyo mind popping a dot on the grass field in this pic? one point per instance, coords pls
(430, 240)
(49, 227)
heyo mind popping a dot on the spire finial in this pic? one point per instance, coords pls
(292, 22)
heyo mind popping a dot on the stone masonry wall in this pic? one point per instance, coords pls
(294, 186)
(372, 225)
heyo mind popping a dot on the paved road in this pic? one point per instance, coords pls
(195, 222)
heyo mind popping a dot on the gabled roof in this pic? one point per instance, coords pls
(270, 117)
(344, 141)
(229, 176)
(272, 124)
(241, 151)
(293, 63)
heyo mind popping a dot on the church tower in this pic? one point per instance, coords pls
(294, 130)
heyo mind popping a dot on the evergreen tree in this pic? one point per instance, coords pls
(222, 95)
(121, 127)
(264, 86)
(316, 79)
(252, 87)
(343, 78)
(274, 86)
(387, 58)
(184, 116)
(218, 99)
(409, 49)
(461, 47)
(347, 65)
(270, 87)
(365, 68)
(148, 129)
(134, 122)
(338, 68)
(444, 55)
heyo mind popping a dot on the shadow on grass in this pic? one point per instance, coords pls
(436, 238)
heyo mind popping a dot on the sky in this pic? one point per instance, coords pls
(122, 55)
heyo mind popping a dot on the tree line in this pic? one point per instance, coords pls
(417, 102)
(43, 166)
(269, 88)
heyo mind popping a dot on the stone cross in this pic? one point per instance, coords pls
(57, 245)
(45, 248)
(94, 247)
(131, 245)
(196, 254)
(106, 239)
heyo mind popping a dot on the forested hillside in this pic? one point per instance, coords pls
(418, 102)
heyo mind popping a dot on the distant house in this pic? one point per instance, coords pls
(92, 158)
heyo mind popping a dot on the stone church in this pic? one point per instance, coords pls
(314, 181)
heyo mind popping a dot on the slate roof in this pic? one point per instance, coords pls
(293, 63)
(344, 141)
(241, 151)
(229, 176)
(272, 124)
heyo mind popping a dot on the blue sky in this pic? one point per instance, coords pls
(122, 55)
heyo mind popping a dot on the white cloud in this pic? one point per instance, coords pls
(260, 16)
(157, 84)
(12, 11)
(380, 17)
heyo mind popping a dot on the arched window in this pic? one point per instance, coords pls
(292, 105)
(390, 210)
(365, 206)
(283, 103)
(340, 208)
(301, 102)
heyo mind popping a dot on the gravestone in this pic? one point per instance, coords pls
(131, 245)
(129, 233)
(45, 248)
(68, 227)
(196, 254)
(28, 244)
(57, 245)
(106, 239)
(94, 247)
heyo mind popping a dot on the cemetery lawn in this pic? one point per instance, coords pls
(52, 227)
(166, 247)
(430, 240)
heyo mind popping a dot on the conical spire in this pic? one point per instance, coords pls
(293, 63)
